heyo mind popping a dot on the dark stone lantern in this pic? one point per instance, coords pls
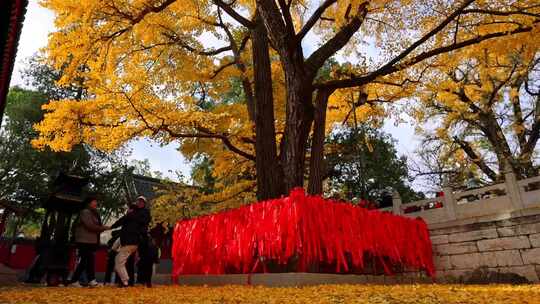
(61, 208)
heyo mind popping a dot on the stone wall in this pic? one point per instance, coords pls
(491, 251)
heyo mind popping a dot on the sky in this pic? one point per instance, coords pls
(39, 22)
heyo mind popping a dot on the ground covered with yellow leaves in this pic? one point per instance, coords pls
(246, 294)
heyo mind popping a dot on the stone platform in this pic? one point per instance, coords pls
(292, 279)
(8, 276)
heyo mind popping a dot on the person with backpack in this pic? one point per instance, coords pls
(87, 230)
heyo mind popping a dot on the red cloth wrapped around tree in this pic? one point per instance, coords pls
(302, 234)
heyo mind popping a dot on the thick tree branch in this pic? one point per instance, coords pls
(534, 132)
(234, 14)
(475, 158)
(221, 68)
(246, 84)
(227, 142)
(274, 23)
(151, 9)
(385, 70)
(500, 13)
(314, 18)
(203, 132)
(177, 40)
(289, 24)
(428, 35)
(519, 122)
(497, 88)
(336, 43)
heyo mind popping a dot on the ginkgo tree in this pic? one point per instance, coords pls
(488, 107)
(165, 69)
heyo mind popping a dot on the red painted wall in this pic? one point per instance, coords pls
(21, 254)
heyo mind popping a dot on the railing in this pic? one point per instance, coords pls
(530, 191)
(507, 197)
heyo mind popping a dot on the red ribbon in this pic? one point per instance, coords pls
(303, 234)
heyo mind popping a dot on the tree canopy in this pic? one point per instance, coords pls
(485, 111)
(253, 100)
(26, 174)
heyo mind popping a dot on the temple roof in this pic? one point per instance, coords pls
(11, 19)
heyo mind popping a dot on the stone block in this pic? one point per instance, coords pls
(531, 228)
(473, 235)
(442, 262)
(456, 248)
(452, 276)
(516, 242)
(535, 218)
(466, 261)
(377, 279)
(213, 280)
(392, 279)
(406, 279)
(526, 271)
(501, 258)
(439, 239)
(8, 276)
(507, 231)
(535, 240)
(531, 256)
(486, 275)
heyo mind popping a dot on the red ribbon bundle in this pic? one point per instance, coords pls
(306, 230)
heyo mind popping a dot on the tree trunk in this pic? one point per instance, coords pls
(316, 162)
(269, 172)
(497, 139)
(299, 116)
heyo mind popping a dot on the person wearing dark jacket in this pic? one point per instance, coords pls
(86, 233)
(134, 228)
(111, 254)
(148, 256)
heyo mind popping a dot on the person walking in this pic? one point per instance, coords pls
(134, 230)
(86, 234)
(148, 256)
(111, 256)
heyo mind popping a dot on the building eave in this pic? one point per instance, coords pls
(11, 29)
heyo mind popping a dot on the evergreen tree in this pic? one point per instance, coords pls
(363, 164)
